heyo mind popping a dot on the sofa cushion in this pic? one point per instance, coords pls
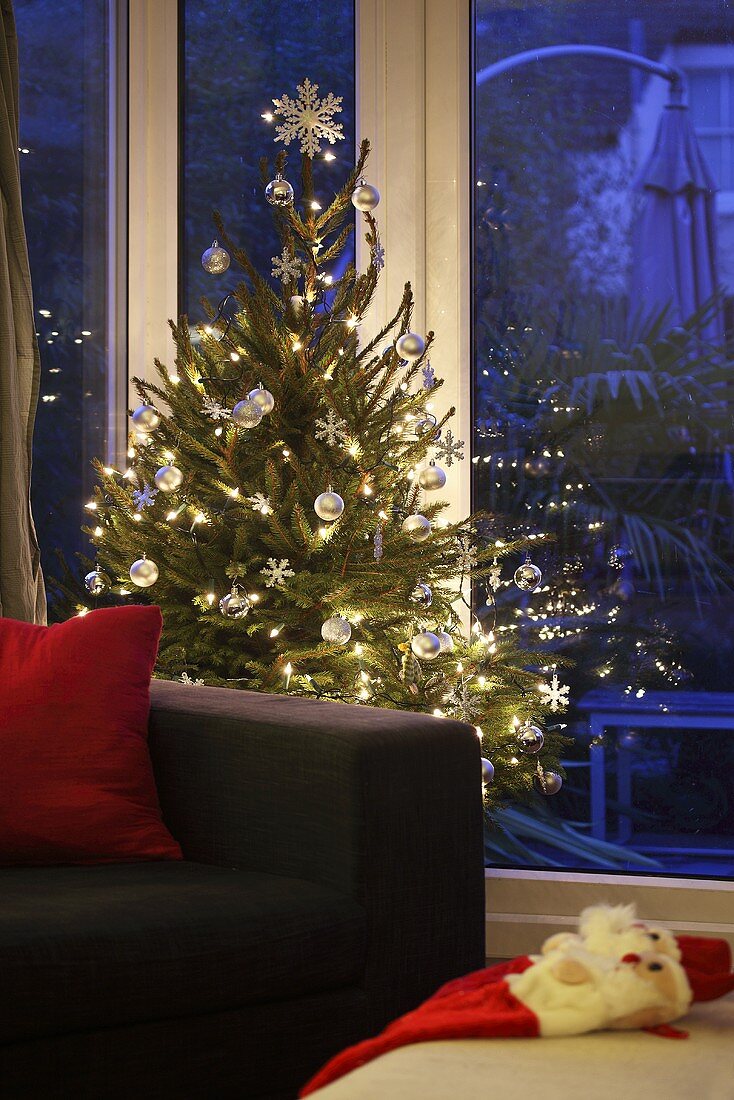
(90, 947)
(77, 783)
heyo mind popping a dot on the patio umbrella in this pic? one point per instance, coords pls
(674, 236)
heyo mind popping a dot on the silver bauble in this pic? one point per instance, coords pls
(168, 479)
(487, 770)
(143, 572)
(336, 630)
(263, 398)
(235, 605)
(96, 582)
(146, 418)
(365, 197)
(422, 594)
(623, 589)
(427, 427)
(432, 477)
(247, 414)
(447, 642)
(328, 506)
(279, 192)
(426, 646)
(417, 526)
(528, 577)
(548, 782)
(216, 259)
(410, 345)
(530, 738)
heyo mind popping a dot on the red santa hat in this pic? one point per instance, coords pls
(708, 966)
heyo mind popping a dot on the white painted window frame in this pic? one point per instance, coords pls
(414, 74)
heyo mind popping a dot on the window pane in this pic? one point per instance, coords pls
(603, 417)
(704, 90)
(230, 81)
(713, 149)
(64, 48)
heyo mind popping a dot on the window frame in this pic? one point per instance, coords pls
(706, 58)
(414, 101)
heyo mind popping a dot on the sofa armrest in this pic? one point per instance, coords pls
(384, 806)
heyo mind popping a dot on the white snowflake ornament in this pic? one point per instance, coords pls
(143, 498)
(556, 693)
(467, 557)
(286, 267)
(429, 377)
(331, 429)
(276, 572)
(308, 118)
(214, 409)
(450, 448)
(378, 255)
(261, 503)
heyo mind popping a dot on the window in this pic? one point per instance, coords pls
(604, 420)
(711, 93)
(65, 68)
(237, 56)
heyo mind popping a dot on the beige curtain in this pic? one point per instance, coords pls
(21, 582)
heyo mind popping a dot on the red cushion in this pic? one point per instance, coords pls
(76, 781)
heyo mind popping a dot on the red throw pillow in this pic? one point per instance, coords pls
(76, 781)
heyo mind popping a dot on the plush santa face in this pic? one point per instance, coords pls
(650, 989)
(572, 991)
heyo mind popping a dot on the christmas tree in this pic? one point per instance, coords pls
(282, 502)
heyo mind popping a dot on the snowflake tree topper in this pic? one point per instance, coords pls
(308, 118)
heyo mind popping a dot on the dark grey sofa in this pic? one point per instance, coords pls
(332, 879)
